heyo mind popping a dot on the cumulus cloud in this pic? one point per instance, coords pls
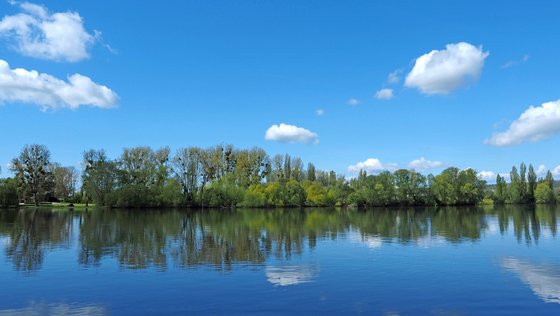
(556, 171)
(320, 112)
(372, 165)
(36, 32)
(536, 123)
(353, 101)
(422, 164)
(486, 175)
(443, 71)
(394, 77)
(384, 94)
(541, 170)
(30, 86)
(290, 134)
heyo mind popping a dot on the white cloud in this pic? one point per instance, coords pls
(511, 63)
(394, 76)
(384, 94)
(423, 164)
(506, 176)
(290, 134)
(353, 101)
(442, 71)
(30, 86)
(320, 112)
(487, 175)
(56, 36)
(556, 171)
(372, 165)
(535, 124)
(541, 171)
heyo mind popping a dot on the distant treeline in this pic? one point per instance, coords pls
(223, 176)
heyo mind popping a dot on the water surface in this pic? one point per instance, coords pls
(424, 261)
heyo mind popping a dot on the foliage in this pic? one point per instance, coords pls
(8, 192)
(33, 172)
(225, 177)
(543, 193)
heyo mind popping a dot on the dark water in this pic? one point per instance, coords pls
(447, 261)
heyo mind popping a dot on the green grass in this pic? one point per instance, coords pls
(60, 206)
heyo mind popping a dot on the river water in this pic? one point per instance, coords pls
(407, 261)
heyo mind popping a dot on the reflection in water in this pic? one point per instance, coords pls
(30, 233)
(223, 238)
(544, 280)
(291, 275)
(56, 309)
(369, 241)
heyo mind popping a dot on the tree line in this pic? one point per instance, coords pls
(224, 176)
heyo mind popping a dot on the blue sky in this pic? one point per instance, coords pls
(199, 73)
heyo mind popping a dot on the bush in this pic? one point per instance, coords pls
(8, 193)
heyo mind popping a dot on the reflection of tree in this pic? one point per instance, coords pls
(137, 239)
(30, 232)
(456, 224)
(527, 220)
(223, 238)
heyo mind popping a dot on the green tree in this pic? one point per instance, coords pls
(65, 180)
(311, 172)
(531, 184)
(444, 187)
(8, 192)
(500, 195)
(549, 180)
(515, 196)
(523, 182)
(188, 170)
(99, 177)
(32, 169)
(543, 193)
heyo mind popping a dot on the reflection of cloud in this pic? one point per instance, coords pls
(291, 275)
(56, 309)
(493, 228)
(429, 242)
(544, 280)
(367, 240)
(4, 241)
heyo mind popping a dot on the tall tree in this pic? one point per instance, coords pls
(32, 169)
(188, 170)
(531, 184)
(514, 187)
(311, 172)
(287, 167)
(549, 180)
(501, 190)
(65, 179)
(99, 177)
(523, 182)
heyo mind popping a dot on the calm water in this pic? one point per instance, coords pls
(447, 261)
